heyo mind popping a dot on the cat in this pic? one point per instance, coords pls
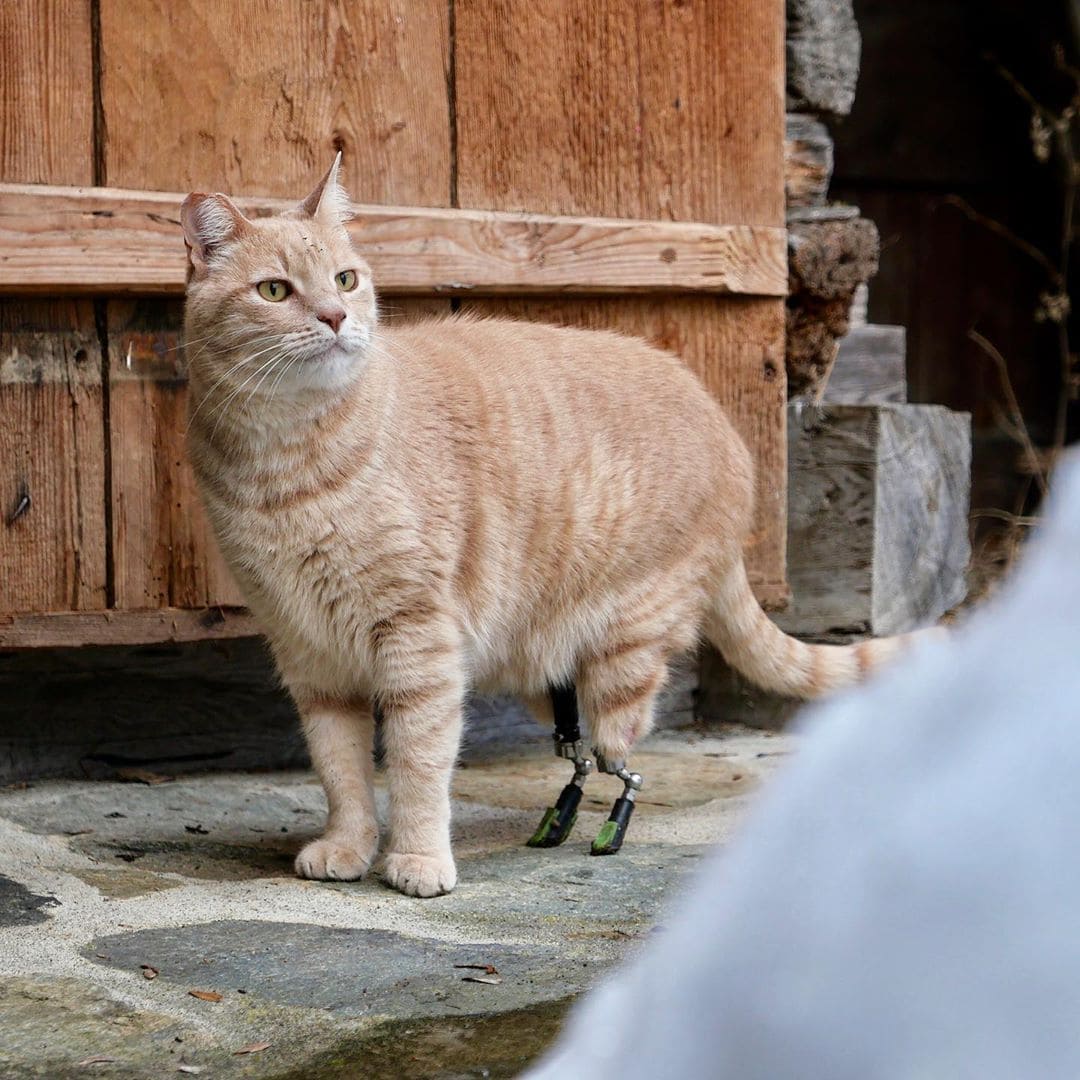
(413, 512)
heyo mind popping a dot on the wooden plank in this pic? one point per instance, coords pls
(656, 111)
(878, 517)
(870, 367)
(61, 629)
(52, 458)
(113, 242)
(662, 110)
(260, 99)
(52, 449)
(164, 554)
(46, 95)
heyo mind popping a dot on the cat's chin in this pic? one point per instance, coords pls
(333, 368)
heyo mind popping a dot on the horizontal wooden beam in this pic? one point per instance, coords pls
(75, 628)
(107, 241)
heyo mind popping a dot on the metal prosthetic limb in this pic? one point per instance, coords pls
(611, 835)
(559, 819)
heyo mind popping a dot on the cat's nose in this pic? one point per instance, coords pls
(333, 316)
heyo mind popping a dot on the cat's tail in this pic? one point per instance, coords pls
(756, 647)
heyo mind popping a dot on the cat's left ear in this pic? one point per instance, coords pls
(328, 202)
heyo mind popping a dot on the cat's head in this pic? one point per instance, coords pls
(278, 302)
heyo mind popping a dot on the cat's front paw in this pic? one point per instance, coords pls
(335, 859)
(420, 875)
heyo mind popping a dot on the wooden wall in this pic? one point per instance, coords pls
(666, 110)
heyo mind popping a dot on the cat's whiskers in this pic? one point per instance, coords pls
(208, 393)
(220, 412)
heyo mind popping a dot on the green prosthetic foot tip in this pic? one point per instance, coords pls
(607, 840)
(550, 833)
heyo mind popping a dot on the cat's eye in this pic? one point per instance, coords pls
(346, 280)
(274, 291)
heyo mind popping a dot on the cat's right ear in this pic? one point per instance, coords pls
(210, 222)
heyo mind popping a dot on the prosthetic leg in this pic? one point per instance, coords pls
(559, 819)
(612, 833)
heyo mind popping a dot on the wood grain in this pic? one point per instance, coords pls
(662, 110)
(259, 97)
(61, 629)
(897, 476)
(52, 459)
(52, 450)
(76, 241)
(46, 92)
(659, 111)
(163, 548)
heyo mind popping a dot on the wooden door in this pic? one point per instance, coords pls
(662, 112)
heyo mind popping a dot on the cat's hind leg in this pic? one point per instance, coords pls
(617, 688)
(340, 738)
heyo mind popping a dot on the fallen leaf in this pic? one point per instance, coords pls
(149, 972)
(487, 969)
(143, 776)
(252, 1048)
(491, 980)
(97, 1059)
(205, 995)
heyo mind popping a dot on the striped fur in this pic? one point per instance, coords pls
(419, 510)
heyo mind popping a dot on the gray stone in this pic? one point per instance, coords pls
(347, 971)
(823, 49)
(19, 906)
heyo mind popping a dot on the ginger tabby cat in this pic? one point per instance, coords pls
(414, 512)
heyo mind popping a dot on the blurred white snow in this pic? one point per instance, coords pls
(904, 902)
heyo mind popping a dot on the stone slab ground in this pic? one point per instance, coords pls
(119, 899)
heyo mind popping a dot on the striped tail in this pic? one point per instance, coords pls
(756, 647)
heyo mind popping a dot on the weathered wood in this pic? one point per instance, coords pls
(166, 708)
(164, 553)
(46, 92)
(52, 449)
(52, 459)
(100, 240)
(609, 108)
(823, 48)
(870, 368)
(64, 629)
(808, 161)
(640, 110)
(877, 517)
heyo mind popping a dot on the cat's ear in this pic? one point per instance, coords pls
(210, 222)
(328, 202)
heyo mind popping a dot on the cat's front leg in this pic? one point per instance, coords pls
(421, 691)
(340, 737)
